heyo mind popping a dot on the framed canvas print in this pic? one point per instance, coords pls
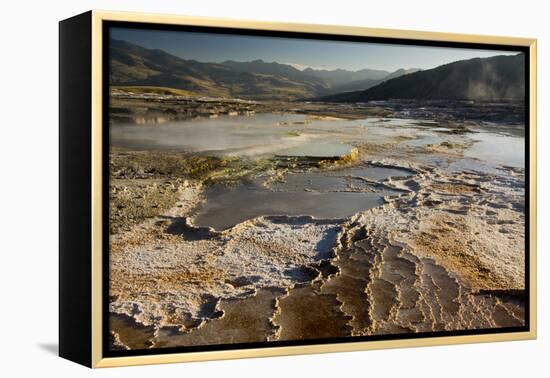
(236, 189)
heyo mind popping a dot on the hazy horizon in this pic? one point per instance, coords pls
(299, 53)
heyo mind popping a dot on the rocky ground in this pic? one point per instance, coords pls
(147, 109)
(444, 253)
(143, 108)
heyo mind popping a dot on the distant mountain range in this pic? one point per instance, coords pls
(367, 83)
(495, 78)
(133, 65)
(339, 77)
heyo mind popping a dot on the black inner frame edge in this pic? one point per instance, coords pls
(105, 86)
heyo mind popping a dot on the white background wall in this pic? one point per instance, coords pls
(28, 207)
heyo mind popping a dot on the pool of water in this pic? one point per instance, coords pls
(318, 150)
(338, 180)
(498, 147)
(329, 194)
(258, 135)
(225, 207)
(269, 134)
(324, 195)
(262, 134)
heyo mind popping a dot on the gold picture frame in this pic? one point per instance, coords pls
(92, 23)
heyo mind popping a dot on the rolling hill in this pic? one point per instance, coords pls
(495, 78)
(132, 65)
(136, 66)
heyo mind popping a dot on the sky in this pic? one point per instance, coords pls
(300, 53)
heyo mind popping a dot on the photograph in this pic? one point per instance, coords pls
(271, 188)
